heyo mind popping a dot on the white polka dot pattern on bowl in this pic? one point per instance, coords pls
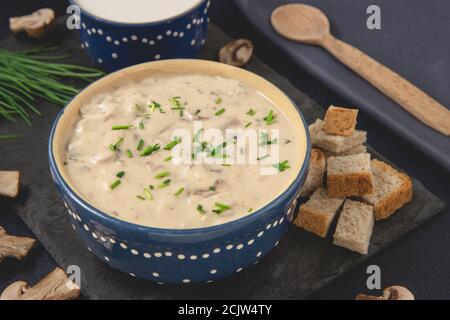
(174, 33)
(180, 256)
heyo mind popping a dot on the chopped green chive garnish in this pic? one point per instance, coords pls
(215, 152)
(264, 139)
(250, 210)
(140, 197)
(115, 146)
(179, 192)
(148, 194)
(212, 188)
(282, 166)
(122, 127)
(197, 112)
(200, 209)
(175, 101)
(154, 105)
(221, 208)
(149, 150)
(129, 153)
(140, 145)
(270, 118)
(248, 124)
(151, 187)
(218, 100)
(197, 135)
(120, 174)
(181, 109)
(115, 184)
(220, 112)
(251, 112)
(263, 157)
(204, 146)
(141, 125)
(226, 165)
(165, 183)
(172, 144)
(168, 159)
(162, 175)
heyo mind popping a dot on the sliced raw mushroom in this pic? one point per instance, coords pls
(9, 183)
(237, 52)
(15, 247)
(390, 293)
(36, 25)
(55, 286)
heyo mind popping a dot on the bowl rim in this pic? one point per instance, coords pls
(138, 24)
(122, 224)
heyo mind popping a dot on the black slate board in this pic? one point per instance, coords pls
(301, 264)
(414, 40)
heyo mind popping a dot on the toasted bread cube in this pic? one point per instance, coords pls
(355, 150)
(317, 214)
(334, 143)
(349, 175)
(355, 226)
(316, 172)
(9, 183)
(392, 190)
(340, 121)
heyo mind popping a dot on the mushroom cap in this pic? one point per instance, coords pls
(397, 293)
(236, 53)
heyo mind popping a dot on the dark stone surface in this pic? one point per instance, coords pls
(300, 265)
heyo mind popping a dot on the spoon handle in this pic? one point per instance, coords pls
(407, 95)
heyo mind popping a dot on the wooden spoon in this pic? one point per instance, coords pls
(307, 24)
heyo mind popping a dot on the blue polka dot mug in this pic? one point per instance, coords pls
(178, 255)
(115, 45)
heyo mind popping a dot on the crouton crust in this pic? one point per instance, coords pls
(397, 199)
(349, 184)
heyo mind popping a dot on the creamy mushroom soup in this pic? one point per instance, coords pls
(137, 11)
(181, 151)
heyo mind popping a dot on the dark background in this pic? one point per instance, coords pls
(420, 261)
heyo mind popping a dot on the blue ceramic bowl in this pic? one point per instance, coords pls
(188, 255)
(115, 45)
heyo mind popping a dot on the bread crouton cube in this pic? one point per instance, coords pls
(349, 175)
(355, 150)
(317, 214)
(9, 183)
(392, 190)
(334, 143)
(355, 226)
(340, 121)
(316, 172)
